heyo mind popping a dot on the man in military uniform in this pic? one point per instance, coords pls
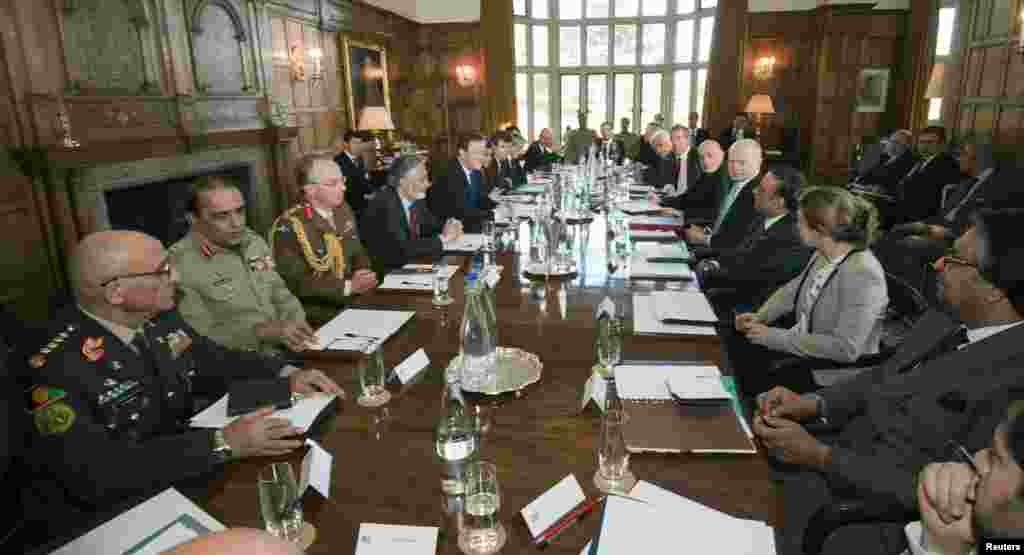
(228, 288)
(316, 245)
(114, 389)
(578, 145)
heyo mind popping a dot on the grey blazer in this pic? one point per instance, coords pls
(846, 321)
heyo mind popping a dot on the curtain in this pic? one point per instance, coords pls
(725, 66)
(499, 101)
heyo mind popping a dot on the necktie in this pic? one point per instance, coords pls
(726, 205)
(956, 197)
(917, 167)
(414, 231)
(681, 171)
(473, 190)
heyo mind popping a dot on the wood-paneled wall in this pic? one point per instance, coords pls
(819, 54)
(985, 91)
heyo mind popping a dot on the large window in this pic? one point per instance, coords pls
(614, 58)
(943, 49)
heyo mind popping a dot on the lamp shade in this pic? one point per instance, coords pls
(375, 117)
(760, 104)
(934, 89)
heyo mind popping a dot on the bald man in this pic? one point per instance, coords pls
(735, 214)
(236, 541)
(542, 152)
(114, 389)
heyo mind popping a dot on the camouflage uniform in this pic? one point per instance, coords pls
(225, 292)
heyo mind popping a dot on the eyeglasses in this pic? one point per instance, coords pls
(951, 258)
(164, 271)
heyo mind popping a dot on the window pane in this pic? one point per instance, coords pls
(540, 9)
(569, 46)
(627, 8)
(540, 45)
(597, 100)
(944, 35)
(698, 101)
(597, 8)
(707, 27)
(681, 97)
(570, 102)
(523, 105)
(705, 4)
(654, 44)
(597, 45)
(625, 45)
(541, 101)
(519, 7)
(684, 41)
(623, 98)
(685, 6)
(650, 97)
(570, 9)
(520, 31)
(655, 7)
(934, 109)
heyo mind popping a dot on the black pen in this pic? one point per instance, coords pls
(965, 457)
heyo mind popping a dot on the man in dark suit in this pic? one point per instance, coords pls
(349, 149)
(645, 150)
(659, 172)
(740, 130)
(919, 193)
(772, 253)
(510, 168)
(610, 147)
(399, 226)
(888, 422)
(542, 152)
(898, 160)
(463, 193)
(697, 134)
(735, 212)
(679, 174)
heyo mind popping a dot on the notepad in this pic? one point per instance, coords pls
(640, 267)
(302, 414)
(360, 330)
(683, 307)
(423, 283)
(650, 382)
(672, 253)
(469, 242)
(639, 207)
(645, 320)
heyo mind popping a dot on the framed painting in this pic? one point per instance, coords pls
(872, 89)
(366, 77)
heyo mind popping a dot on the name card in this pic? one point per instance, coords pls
(390, 539)
(607, 306)
(316, 470)
(411, 366)
(552, 505)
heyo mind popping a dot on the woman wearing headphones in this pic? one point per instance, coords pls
(833, 310)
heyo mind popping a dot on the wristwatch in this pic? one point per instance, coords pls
(221, 450)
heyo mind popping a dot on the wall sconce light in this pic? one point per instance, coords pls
(295, 67)
(1020, 41)
(465, 75)
(763, 67)
(318, 70)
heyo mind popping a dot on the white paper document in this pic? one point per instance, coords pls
(654, 251)
(653, 526)
(683, 307)
(645, 320)
(158, 524)
(449, 270)
(640, 267)
(696, 387)
(656, 220)
(409, 282)
(651, 381)
(390, 539)
(316, 470)
(639, 206)
(301, 414)
(652, 235)
(552, 505)
(360, 330)
(471, 242)
(412, 366)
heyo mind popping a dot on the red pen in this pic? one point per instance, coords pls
(558, 527)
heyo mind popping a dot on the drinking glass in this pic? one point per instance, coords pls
(372, 377)
(609, 342)
(482, 533)
(279, 501)
(441, 297)
(613, 474)
(487, 230)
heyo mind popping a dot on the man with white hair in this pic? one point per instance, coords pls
(316, 245)
(735, 212)
(114, 390)
(661, 143)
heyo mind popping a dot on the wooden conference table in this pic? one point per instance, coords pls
(384, 467)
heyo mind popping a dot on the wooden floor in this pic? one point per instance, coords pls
(384, 467)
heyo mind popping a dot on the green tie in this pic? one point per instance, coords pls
(730, 198)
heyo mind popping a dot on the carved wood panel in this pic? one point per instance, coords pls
(220, 48)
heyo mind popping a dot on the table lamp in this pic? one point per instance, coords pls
(375, 119)
(760, 104)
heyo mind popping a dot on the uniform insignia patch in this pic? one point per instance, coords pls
(92, 348)
(37, 360)
(55, 418)
(115, 365)
(42, 395)
(179, 342)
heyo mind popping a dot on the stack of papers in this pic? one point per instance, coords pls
(360, 330)
(653, 234)
(648, 522)
(409, 282)
(664, 252)
(154, 526)
(301, 414)
(660, 221)
(651, 382)
(645, 320)
(470, 242)
(697, 388)
(639, 207)
(683, 307)
(641, 267)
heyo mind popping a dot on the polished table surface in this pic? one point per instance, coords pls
(384, 468)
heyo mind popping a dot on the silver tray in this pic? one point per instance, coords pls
(584, 218)
(515, 370)
(539, 269)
